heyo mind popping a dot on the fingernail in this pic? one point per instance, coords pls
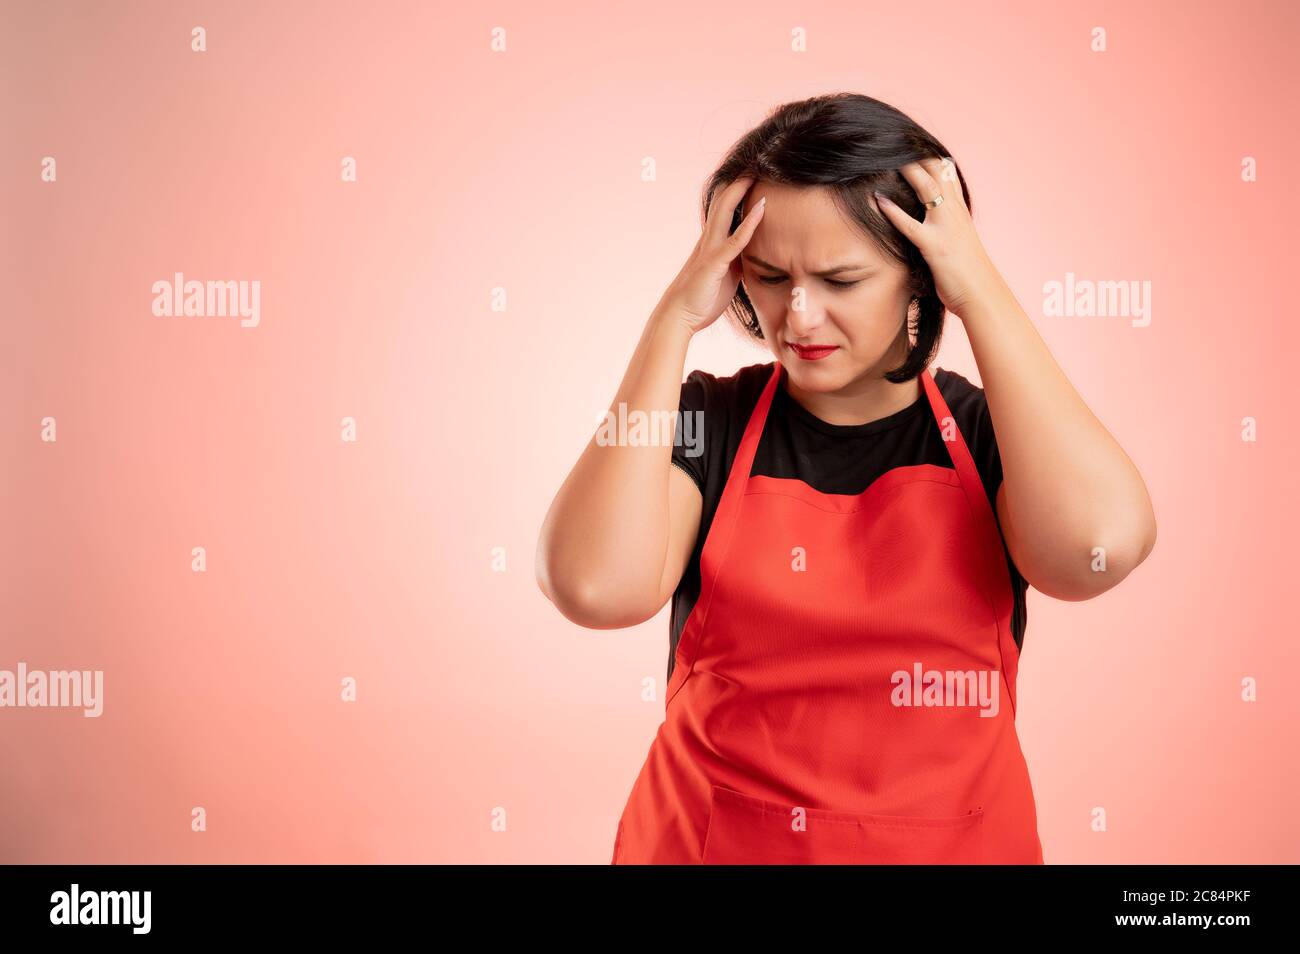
(880, 197)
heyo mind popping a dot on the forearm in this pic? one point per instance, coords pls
(603, 544)
(1069, 486)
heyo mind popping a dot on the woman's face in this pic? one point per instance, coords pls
(861, 310)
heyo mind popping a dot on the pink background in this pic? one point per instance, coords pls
(522, 170)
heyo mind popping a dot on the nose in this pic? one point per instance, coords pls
(804, 314)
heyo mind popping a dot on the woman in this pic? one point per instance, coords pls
(849, 553)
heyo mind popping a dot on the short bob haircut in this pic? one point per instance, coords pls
(854, 144)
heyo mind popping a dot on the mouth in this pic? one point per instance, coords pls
(812, 352)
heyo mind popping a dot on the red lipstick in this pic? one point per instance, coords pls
(812, 352)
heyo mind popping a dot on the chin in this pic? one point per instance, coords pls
(817, 375)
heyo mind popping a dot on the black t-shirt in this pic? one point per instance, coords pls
(830, 458)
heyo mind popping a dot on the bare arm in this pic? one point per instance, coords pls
(623, 525)
(602, 558)
(1075, 512)
(1070, 496)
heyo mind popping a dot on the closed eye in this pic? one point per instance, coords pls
(773, 280)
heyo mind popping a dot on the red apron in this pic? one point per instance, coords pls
(844, 689)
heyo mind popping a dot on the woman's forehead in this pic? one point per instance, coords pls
(804, 227)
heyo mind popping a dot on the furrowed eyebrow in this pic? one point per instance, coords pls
(834, 270)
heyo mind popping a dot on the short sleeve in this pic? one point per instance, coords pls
(988, 460)
(689, 430)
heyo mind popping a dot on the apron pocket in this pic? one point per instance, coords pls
(745, 830)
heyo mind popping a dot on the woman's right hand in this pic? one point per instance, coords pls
(708, 281)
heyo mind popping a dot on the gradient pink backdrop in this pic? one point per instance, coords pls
(521, 170)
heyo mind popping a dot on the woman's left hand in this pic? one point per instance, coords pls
(963, 272)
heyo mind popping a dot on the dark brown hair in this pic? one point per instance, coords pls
(853, 144)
